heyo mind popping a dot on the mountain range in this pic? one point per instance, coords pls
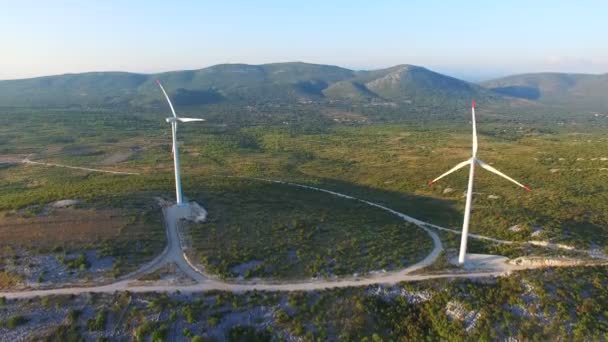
(401, 86)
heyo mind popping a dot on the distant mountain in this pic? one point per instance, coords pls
(243, 84)
(409, 83)
(557, 90)
(241, 90)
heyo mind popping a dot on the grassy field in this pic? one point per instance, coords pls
(566, 166)
(259, 229)
(126, 225)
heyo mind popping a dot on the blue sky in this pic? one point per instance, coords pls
(471, 39)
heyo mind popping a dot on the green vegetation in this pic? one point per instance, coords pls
(79, 262)
(259, 229)
(584, 92)
(238, 84)
(352, 132)
(99, 322)
(244, 333)
(65, 333)
(535, 305)
(14, 321)
(388, 164)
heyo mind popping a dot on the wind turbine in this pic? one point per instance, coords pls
(467, 208)
(173, 121)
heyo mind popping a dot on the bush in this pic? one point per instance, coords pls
(246, 333)
(160, 334)
(213, 321)
(8, 280)
(65, 333)
(73, 315)
(16, 321)
(188, 314)
(99, 322)
(80, 262)
(142, 331)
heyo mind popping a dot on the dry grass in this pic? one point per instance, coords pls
(8, 280)
(63, 226)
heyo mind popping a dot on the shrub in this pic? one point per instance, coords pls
(160, 334)
(99, 322)
(16, 321)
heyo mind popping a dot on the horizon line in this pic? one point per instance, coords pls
(293, 62)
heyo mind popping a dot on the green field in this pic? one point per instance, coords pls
(259, 229)
(566, 166)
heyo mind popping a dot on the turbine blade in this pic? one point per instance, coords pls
(493, 170)
(459, 166)
(189, 119)
(167, 97)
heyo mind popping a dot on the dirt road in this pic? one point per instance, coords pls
(27, 161)
(174, 253)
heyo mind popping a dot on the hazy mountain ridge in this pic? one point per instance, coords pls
(277, 82)
(410, 87)
(576, 91)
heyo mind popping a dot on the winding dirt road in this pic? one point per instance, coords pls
(27, 161)
(174, 253)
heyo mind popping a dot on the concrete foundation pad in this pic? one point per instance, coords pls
(488, 262)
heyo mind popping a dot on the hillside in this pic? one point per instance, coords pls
(583, 92)
(411, 84)
(243, 84)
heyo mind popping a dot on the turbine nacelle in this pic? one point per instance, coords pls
(483, 165)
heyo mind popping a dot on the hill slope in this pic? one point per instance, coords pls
(243, 84)
(567, 91)
(411, 84)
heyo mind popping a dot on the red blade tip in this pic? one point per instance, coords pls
(158, 82)
(473, 103)
(429, 183)
(527, 188)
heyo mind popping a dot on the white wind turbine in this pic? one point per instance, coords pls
(173, 121)
(467, 209)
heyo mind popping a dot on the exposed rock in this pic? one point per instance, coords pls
(537, 233)
(241, 269)
(493, 197)
(197, 213)
(455, 311)
(545, 261)
(64, 203)
(447, 191)
(412, 297)
(516, 228)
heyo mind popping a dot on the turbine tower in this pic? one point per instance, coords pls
(173, 121)
(467, 208)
